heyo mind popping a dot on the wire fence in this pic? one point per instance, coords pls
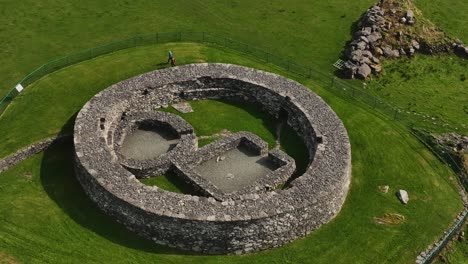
(342, 88)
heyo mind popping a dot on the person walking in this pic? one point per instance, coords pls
(170, 57)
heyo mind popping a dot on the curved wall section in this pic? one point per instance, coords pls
(213, 224)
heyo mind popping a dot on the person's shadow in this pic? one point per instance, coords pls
(58, 179)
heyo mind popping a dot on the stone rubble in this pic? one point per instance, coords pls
(384, 31)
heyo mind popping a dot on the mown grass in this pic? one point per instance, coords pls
(210, 117)
(451, 16)
(170, 183)
(49, 219)
(435, 87)
(312, 32)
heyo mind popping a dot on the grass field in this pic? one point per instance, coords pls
(312, 32)
(45, 216)
(435, 87)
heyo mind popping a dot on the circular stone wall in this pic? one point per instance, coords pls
(235, 223)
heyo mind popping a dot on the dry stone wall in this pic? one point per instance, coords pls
(230, 225)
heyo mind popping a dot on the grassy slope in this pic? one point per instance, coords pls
(34, 32)
(49, 219)
(436, 88)
(313, 32)
(451, 16)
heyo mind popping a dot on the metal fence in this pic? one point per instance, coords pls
(342, 88)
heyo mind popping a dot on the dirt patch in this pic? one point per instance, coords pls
(390, 219)
(28, 175)
(7, 259)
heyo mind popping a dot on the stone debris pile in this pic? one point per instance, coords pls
(382, 32)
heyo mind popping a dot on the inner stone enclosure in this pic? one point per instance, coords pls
(240, 207)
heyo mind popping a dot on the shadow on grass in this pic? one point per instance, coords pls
(59, 181)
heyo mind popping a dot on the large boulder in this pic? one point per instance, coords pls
(363, 71)
(409, 14)
(375, 36)
(403, 196)
(415, 44)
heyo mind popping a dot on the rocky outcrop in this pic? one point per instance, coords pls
(388, 30)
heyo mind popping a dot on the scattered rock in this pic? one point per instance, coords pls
(409, 14)
(230, 176)
(384, 188)
(403, 196)
(378, 51)
(376, 68)
(415, 44)
(183, 107)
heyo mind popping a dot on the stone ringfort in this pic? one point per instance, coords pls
(276, 207)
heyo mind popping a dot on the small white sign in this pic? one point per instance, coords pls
(19, 87)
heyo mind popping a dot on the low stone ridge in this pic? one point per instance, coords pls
(23, 154)
(389, 29)
(248, 221)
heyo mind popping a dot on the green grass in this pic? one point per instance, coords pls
(205, 141)
(312, 32)
(170, 183)
(32, 32)
(210, 117)
(49, 219)
(435, 88)
(451, 16)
